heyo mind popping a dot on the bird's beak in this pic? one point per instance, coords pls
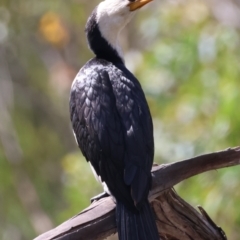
(138, 4)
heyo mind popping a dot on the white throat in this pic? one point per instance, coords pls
(112, 16)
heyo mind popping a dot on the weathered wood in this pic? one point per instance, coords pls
(95, 222)
(168, 175)
(176, 219)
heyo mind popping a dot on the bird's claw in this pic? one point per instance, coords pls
(99, 196)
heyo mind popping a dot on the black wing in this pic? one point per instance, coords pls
(113, 128)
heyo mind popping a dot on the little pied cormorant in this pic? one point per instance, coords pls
(112, 122)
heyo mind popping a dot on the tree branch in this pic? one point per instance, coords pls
(168, 175)
(175, 218)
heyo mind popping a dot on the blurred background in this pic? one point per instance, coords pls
(186, 54)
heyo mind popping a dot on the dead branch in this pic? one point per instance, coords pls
(176, 219)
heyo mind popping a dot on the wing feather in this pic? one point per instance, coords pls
(113, 128)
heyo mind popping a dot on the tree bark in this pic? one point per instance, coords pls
(175, 218)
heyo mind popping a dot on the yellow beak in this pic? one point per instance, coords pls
(138, 4)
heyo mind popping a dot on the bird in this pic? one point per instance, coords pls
(112, 122)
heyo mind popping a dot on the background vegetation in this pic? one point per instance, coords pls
(186, 53)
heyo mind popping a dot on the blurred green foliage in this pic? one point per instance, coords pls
(187, 58)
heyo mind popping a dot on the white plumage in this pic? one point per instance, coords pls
(112, 17)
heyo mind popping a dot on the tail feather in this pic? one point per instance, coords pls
(139, 225)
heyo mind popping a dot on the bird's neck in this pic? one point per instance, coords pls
(104, 41)
(111, 36)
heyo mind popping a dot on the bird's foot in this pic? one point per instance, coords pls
(99, 196)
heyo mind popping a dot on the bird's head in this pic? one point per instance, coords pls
(118, 12)
(109, 18)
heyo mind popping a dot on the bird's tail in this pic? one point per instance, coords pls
(136, 225)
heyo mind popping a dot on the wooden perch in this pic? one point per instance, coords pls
(176, 219)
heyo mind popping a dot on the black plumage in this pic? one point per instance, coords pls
(97, 43)
(113, 128)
